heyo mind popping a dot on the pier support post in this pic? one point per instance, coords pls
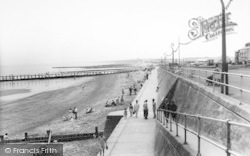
(96, 132)
(25, 136)
(1, 139)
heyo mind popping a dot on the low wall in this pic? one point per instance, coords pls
(192, 98)
(167, 145)
(112, 120)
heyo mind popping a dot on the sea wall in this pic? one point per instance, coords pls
(166, 144)
(193, 98)
(165, 83)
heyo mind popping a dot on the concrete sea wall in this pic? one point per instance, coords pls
(167, 145)
(193, 98)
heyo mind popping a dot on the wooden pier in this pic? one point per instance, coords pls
(72, 74)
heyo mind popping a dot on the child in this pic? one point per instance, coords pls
(131, 109)
(125, 113)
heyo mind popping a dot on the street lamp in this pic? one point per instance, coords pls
(165, 59)
(224, 77)
(172, 53)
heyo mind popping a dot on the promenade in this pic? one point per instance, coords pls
(135, 136)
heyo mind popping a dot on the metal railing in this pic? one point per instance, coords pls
(202, 76)
(168, 122)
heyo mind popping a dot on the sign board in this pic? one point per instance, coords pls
(209, 28)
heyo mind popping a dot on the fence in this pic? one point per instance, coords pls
(169, 121)
(239, 84)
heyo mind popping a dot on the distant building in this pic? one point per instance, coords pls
(242, 56)
(228, 60)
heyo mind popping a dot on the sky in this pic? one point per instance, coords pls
(77, 31)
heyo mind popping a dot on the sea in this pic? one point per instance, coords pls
(38, 86)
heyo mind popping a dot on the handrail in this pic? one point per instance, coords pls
(210, 71)
(223, 84)
(161, 118)
(185, 72)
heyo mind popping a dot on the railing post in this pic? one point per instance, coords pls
(213, 83)
(185, 129)
(176, 122)
(166, 120)
(96, 132)
(199, 139)
(241, 86)
(170, 122)
(161, 116)
(26, 136)
(228, 138)
(1, 139)
(225, 84)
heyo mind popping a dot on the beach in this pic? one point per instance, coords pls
(45, 111)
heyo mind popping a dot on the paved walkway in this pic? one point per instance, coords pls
(135, 136)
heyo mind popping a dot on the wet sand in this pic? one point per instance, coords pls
(13, 92)
(44, 111)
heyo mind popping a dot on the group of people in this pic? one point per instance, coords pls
(134, 109)
(72, 114)
(131, 89)
(170, 106)
(116, 102)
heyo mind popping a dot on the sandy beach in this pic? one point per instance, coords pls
(45, 111)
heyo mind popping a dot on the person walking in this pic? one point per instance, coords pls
(70, 114)
(172, 107)
(102, 144)
(136, 108)
(135, 90)
(154, 107)
(145, 109)
(117, 100)
(122, 100)
(75, 112)
(131, 109)
(125, 113)
(130, 90)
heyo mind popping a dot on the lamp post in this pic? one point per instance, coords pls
(172, 53)
(179, 51)
(224, 77)
(165, 59)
